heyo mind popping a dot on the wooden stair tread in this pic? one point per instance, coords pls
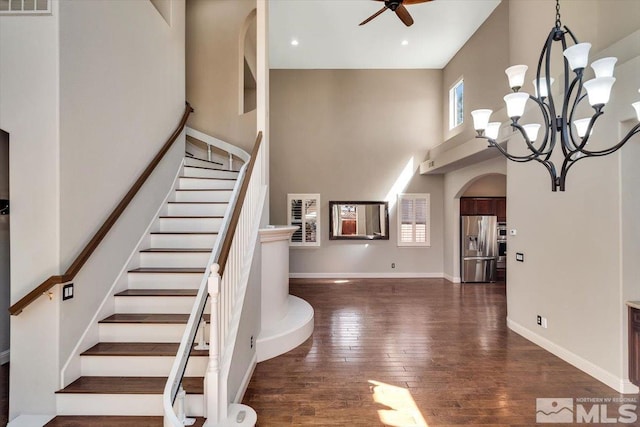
(149, 318)
(183, 232)
(158, 293)
(198, 203)
(203, 189)
(207, 177)
(192, 216)
(111, 421)
(176, 250)
(210, 168)
(138, 349)
(167, 270)
(130, 385)
(213, 162)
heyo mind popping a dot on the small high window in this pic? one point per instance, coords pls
(456, 104)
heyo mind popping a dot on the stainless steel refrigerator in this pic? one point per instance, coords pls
(478, 248)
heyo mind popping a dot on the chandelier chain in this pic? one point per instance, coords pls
(558, 22)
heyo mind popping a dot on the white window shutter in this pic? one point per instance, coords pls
(414, 220)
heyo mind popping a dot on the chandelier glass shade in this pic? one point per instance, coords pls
(558, 121)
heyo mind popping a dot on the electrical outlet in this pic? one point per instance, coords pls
(251, 342)
(67, 291)
(393, 265)
(541, 321)
(519, 257)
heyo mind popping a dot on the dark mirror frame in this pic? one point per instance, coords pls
(359, 237)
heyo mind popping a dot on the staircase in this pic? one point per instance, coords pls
(123, 376)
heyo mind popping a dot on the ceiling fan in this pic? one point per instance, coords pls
(397, 6)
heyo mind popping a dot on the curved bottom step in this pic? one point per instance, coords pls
(288, 333)
(110, 421)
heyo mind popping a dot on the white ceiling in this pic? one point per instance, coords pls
(329, 36)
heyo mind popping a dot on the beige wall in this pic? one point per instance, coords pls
(579, 244)
(481, 61)
(214, 69)
(488, 186)
(348, 135)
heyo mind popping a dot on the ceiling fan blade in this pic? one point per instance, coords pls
(404, 15)
(406, 2)
(374, 15)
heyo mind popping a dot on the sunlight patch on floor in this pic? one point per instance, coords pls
(403, 410)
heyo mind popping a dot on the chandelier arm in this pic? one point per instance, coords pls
(576, 146)
(545, 56)
(551, 168)
(573, 37)
(585, 139)
(518, 159)
(635, 130)
(568, 141)
(536, 152)
(546, 116)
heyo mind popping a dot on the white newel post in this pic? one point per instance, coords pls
(287, 321)
(212, 409)
(275, 273)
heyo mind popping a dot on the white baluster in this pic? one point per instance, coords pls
(211, 379)
(230, 161)
(202, 344)
(182, 417)
(208, 152)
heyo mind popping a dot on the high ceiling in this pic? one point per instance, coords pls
(328, 34)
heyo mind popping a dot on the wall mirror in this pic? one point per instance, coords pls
(358, 220)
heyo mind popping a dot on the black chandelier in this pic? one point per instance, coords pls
(557, 122)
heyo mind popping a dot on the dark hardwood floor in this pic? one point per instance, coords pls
(400, 353)
(411, 353)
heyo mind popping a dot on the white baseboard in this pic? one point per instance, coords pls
(452, 279)
(30, 420)
(366, 275)
(246, 379)
(616, 383)
(4, 357)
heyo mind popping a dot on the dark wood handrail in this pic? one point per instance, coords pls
(84, 256)
(235, 216)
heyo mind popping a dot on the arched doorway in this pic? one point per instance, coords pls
(483, 195)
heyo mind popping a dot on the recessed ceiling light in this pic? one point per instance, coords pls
(405, 42)
(294, 42)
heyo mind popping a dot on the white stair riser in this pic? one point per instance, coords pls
(191, 209)
(186, 241)
(142, 332)
(192, 161)
(174, 259)
(138, 366)
(181, 224)
(203, 196)
(122, 404)
(203, 183)
(164, 280)
(155, 304)
(208, 173)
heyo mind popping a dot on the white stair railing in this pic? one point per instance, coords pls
(225, 281)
